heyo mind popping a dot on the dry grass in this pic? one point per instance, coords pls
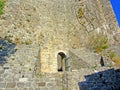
(98, 43)
(116, 60)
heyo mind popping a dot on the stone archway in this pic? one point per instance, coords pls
(61, 61)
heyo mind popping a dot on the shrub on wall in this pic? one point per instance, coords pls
(98, 43)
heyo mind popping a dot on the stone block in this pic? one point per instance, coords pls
(2, 85)
(2, 71)
(20, 84)
(34, 84)
(10, 89)
(1, 79)
(11, 85)
(31, 88)
(50, 84)
(41, 84)
(53, 88)
(23, 79)
(25, 89)
(27, 84)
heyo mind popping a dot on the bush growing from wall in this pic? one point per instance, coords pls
(98, 43)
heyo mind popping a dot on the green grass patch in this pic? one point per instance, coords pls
(112, 54)
(2, 4)
(100, 43)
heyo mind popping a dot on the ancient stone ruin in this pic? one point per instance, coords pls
(54, 44)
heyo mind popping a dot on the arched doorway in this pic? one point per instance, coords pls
(61, 60)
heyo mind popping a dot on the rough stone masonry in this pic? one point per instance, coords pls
(43, 28)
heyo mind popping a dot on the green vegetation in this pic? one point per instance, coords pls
(40, 75)
(99, 43)
(63, 89)
(114, 57)
(28, 42)
(2, 4)
(116, 60)
(112, 54)
(95, 66)
(13, 59)
(80, 13)
(30, 69)
(27, 20)
(1, 46)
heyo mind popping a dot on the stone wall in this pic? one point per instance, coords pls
(55, 26)
(92, 79)
(43, 28)
(76, 62)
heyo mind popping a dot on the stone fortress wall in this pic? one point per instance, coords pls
(55, 25)
(42, 29)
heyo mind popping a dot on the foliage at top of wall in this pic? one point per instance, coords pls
(2, 4)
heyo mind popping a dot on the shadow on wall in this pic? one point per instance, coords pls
(105, 80)
(6, 48)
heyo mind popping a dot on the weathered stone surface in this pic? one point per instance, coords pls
(43, 28)
(32, 88)
(20, 85)
(23, 79)
(41, 84)
(50, 84)
(11, 85)
(2, 85)
(1, 79)
(2, 71)
(25, 89)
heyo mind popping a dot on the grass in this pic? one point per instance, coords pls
(116, 60)
(95, 66)
(112, 54)
(99, 43)
(2, 4)
(63, 89)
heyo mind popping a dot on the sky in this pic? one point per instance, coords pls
(116, 8)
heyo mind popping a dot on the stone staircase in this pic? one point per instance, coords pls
(89, 64)
(84, 58)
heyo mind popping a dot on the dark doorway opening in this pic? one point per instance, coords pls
(61, 62)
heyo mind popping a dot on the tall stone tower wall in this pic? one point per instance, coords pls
(55, 25)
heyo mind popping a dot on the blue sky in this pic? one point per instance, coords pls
(116, 8)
